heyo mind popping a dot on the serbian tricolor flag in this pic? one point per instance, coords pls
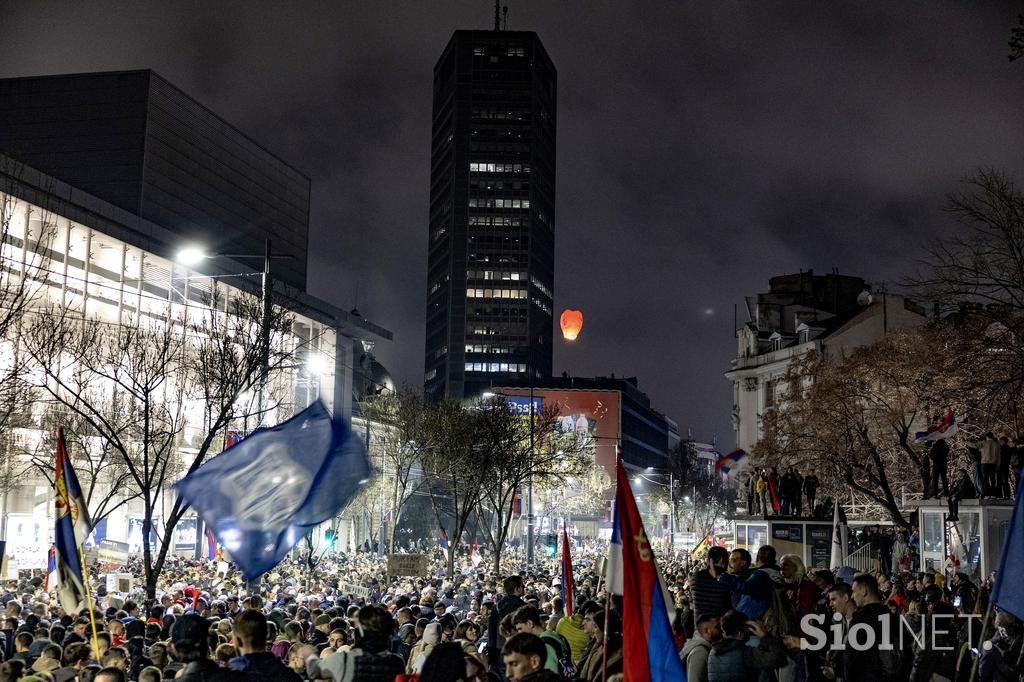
(568, 591)
(648, 648)
(443, 540)
(941, 431)
(72, 527)
(475, 557)
(517, 504)
(211, 545)
(725, 462)
(51, 570)
(773, 491)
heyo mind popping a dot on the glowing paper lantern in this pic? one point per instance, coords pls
(571, 322)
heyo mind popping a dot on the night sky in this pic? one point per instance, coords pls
(702, 147)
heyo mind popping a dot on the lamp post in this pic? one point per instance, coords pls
(192, 256)
(671, 499)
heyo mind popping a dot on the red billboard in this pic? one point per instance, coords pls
(596, 413)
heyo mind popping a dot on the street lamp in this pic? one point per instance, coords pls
(671, 499)
(192, 255)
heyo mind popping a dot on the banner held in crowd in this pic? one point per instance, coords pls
(266, 492)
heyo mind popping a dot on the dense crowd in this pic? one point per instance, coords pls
(736, 618)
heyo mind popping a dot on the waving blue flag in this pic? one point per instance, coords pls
(261, 495)
(1008, 592)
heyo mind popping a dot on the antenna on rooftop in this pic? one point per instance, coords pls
(504, 15)
(497, 15)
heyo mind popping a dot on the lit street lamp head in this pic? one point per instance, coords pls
(191, 256)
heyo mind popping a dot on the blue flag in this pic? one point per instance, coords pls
(1008, 592)
(261, 495)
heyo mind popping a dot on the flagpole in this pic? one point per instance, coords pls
(607, 583)
(981, 641)
(88, 599)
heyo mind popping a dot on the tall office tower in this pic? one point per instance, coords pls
(490, 275)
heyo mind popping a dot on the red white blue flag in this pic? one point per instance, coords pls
(72, 528)
(648, 648)
(568, 588)
(725, 462)
(51, 570)
(941, 431)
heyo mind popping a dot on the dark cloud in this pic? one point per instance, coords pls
(702, 147)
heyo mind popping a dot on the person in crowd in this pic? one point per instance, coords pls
(733, 660)
(524, 654)
(527, 619)
(811, 485)
(938, 457)
(963, 489)
(257, 664)
(708, 596)
(990, 464)
(190, 646)
(756, 590)
(695, 652)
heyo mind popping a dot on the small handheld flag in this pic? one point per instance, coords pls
(261, 496)
(211, 545)
(51, 570)
(442, 539)
(839, 537)
(725, 462)
(941, 431)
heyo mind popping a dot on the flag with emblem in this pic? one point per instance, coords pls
(71, 529)
(648, 648)
(261, 496)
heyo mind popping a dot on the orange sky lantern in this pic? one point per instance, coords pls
(572, 323)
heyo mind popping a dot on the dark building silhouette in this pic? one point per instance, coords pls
(134, 140)
(490, 277)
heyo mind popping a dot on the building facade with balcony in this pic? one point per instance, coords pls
(801, 314)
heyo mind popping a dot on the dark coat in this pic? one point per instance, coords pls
(208, 671)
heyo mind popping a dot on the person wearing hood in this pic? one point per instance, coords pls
(756, 591)
(732, 660)
(369, 660)
(419, 653)
(190, 645)
(695, 652)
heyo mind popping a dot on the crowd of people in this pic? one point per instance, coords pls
(735, 618)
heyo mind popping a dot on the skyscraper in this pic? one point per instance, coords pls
(490, 275)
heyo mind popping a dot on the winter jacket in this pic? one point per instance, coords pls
(990, 451)
(731, 660)
(756, 591)
(208, 671)
(356, 665)
(938, 655)
(695, 659)
(875, 665)
(571, 627)
(263, 667)
(708, 596)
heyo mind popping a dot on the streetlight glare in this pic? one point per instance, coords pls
(190, 256)
(316, 364)
(636, 479)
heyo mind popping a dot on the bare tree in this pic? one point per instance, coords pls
(852, 419)
(107, 481)
(549, 458)
(398, 434)
(455, 467)
(139, 386)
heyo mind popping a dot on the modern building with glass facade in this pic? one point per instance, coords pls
(168, 173)
(490, 278)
